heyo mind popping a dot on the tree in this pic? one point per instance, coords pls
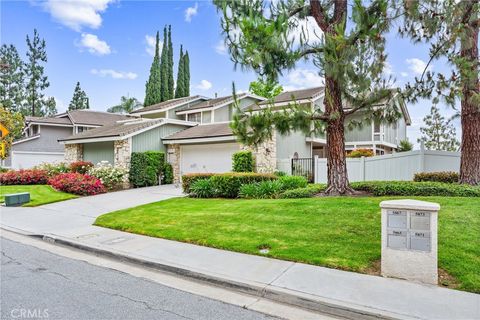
(180, 88)
(171, 83)
(13, 121)
(270, 39)
(12, 77)
(265, 88)
(451, 28)
(186, 74)
(37, 82)
(126, 105)
(438, 134)
(405, 146)
(51, 107)
(164, 67)
(153, 87)
(79, 99)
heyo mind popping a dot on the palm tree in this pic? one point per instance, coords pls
(126, 105)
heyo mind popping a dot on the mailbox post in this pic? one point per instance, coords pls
(409, 240)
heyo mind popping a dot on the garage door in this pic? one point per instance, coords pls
(25, 160)
(215, 158)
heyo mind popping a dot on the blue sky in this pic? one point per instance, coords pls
(107, 46)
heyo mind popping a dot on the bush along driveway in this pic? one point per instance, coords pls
(335, 232)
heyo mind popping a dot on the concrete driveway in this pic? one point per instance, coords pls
(62, 217)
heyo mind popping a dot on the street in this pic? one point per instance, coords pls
(37, 284)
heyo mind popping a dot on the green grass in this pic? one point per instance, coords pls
(39, 194)
(342, 233)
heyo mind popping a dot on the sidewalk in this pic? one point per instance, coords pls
(340, 293)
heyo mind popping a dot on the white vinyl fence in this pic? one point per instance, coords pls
(397, 166)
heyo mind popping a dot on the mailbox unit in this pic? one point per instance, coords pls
(409, 240)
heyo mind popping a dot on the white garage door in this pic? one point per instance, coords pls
(25, 160)
(215, 158)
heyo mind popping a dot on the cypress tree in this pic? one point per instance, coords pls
(79, 99)
(171, 83)
(186, 75)
(180, 89)
(164, 67)
(154, 83)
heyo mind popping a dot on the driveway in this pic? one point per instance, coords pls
(67, 217)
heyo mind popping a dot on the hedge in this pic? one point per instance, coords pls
(23, 177)
(189, 179)
(243, 162)
(443, 176)
(146, 167)
(77, 183)
(409, 188)
(306, 192)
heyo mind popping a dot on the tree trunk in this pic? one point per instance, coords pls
(470, 158)
(336, 159)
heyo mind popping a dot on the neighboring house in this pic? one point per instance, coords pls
(41, 134)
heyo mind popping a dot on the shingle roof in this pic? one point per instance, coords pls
(113, 130)
(309, 93)
(202, 131)
(95, 118)
(213, 102)
(167, 104)
(48, 120)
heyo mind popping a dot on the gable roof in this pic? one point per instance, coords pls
(95, 118)
(48, 120)
(212, 103)
(169, 104)
(302, 94)
(203, 131)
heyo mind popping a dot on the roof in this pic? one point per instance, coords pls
(213, 102)
(302, 94)
(48, 120)
(167, 104)
(94, 118)
(113, 130)
(203, 131)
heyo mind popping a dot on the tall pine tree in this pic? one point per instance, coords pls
(153, 87)
(12, 76)
(186, 75)
(180, 89)
(37, 82)
(164, 67)
(171, 84)
(79, 99)
(438, 134)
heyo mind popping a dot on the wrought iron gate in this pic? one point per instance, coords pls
(304, 167)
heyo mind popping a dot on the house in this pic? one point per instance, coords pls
(40, 141)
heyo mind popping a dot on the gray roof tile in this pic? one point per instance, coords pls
(202, 131)
(167, 104)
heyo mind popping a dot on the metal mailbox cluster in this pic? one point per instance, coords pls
(408, 230)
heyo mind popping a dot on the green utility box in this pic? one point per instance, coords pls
(17, 199)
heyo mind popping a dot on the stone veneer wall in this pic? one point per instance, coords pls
(122, 154)
(265, 155)
(73, 152)
(173, 157)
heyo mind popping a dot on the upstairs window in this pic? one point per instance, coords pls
(194, 117)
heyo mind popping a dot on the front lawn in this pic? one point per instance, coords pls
(335, 232)
(39, 194)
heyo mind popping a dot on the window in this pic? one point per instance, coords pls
(377, 130)
(194, 117)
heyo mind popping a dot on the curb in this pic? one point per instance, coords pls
(285, 296)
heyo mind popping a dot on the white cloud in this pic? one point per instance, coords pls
(150, 45)
(416, 65)
(190, 12)
(307, 30)
(303, 78)
(94, 45)
(221, 48)
(114, 74)
(204, 85)
(76, 14)
(404, 74)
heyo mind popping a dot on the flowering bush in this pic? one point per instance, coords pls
(80, 166)
(358, 153)
(77, 183)
(53, 169)
(110, 176)
(32, 176)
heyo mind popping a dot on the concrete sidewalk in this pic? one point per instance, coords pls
(335, 292)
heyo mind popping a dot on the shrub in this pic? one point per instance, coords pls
(77, 183)
(268, 189)
(293, 182)
(146, 167)
(3, 170)
(227, 185)
(409, 188)
(249, 191)
(306, 192)
(167, 173)
(279, 173)
(243, 161)
(156, 160)
(110, 176)
(202, 188)
(358, 153)
(80, 166)
(32, 176)
(53, 169)
(189, 179)
(404, 146)
(445, 176)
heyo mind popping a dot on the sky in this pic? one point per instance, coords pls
(108, 45)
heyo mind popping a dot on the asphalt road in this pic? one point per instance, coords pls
(37, 284)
